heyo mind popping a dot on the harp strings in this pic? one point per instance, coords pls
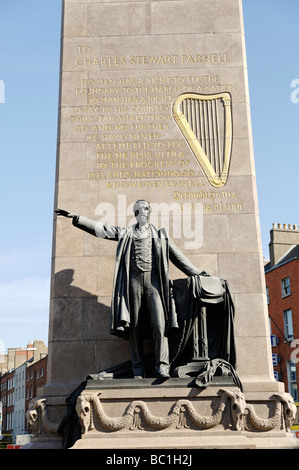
(204, 118)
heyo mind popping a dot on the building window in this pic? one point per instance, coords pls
(292, 380)
(288, 324)
(285, 287)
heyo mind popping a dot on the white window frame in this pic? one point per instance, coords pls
(285, 287)
(288, 324)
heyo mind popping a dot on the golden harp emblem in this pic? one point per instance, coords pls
(206, 123)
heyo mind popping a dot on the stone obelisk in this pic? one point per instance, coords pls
(154, 104)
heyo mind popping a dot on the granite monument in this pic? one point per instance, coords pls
(154, 105)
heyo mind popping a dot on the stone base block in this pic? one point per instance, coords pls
(157, 441)
(209, 441)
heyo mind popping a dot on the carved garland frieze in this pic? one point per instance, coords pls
(137, 414)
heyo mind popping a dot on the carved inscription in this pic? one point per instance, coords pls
(125, 119)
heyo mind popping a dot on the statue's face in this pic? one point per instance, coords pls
(142, 212)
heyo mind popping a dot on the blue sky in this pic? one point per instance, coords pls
(29, 69)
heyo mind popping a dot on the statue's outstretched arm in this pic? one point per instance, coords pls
(93, 227)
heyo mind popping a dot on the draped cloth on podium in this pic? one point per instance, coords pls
(189, 295)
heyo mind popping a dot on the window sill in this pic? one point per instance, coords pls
(286, 295)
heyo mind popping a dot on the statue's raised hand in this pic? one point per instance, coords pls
(65, 213)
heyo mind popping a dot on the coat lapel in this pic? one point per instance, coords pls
(157, 246)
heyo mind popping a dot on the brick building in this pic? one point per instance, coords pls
(282, 283)
(36, 377)
(7, 400)
(20, 384)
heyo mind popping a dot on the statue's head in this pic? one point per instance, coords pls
(142, 210)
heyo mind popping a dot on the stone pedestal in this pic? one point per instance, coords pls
(124, 68)
(174, 414)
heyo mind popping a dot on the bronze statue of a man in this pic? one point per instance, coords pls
(142, 285)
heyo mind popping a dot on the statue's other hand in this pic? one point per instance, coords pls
(65, 213)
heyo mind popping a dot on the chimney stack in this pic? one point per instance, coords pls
(282, 238)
